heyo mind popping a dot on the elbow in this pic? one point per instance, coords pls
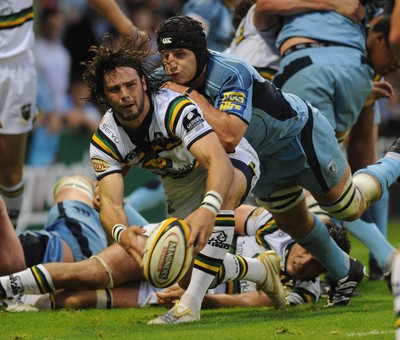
(394, 40)
(230, 142)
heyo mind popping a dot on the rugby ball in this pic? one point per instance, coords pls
(166, 258)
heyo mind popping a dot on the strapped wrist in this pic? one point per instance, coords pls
(117, 231)
(212, 201)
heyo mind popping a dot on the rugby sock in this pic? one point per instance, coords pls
(385, 171)
(147, 196)
(34, 280)
(395, 281)
(209, 260)
(369, 234)
(133, 216)
(13, 198)
(241, 268)
(379, 213)
(319, 243)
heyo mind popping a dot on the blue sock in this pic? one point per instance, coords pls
(319, 243)
(379, 213)
(372, 238)
(386, 171)
(134, 217)
(147, 196)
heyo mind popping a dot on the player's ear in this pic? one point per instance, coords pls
(144, 83)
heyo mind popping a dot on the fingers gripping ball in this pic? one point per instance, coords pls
(166, 258)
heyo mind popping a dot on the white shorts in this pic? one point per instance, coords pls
(147, 294)
(186, 194)
(18, 88)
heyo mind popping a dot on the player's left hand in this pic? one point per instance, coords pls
(167, 297)
(382, 89)
(175, 87)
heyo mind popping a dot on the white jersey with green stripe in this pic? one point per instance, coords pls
(173, 124)
(16, 27)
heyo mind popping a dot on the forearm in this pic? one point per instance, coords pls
(113, 13)
(110, 215)
(292, 7)
(361, 147)
(229, 128)
(394, 35)
(249, 299)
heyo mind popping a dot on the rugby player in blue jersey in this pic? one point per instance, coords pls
(296, 146)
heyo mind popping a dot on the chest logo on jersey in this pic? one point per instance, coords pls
(232, 101)
(99, 165)
(134, 157)
(192, 120)
(159, 139)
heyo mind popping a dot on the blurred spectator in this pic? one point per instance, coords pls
(53, 67)
(82, 115)
(81, 33)
(216, 17)
(147, 19)
(390, 109)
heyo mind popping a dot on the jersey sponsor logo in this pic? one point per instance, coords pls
(192, 120)
(109, 133)
(156, 164)
(218, 239)
(232, 101)
(99, 165)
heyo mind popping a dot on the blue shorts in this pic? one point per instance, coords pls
(312, 160)
(72, 221)
(334, 79)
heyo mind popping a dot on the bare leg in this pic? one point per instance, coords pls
(12, 151)
(11, 252)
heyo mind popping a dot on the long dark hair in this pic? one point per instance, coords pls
(109, 55)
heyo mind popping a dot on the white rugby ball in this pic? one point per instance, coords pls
(166, 258)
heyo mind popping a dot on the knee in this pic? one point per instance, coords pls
(348, 207)
(11, 265)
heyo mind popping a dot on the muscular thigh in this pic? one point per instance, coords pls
(247, 171)
(123, 266)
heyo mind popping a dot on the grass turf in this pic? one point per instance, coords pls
(369, 315)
